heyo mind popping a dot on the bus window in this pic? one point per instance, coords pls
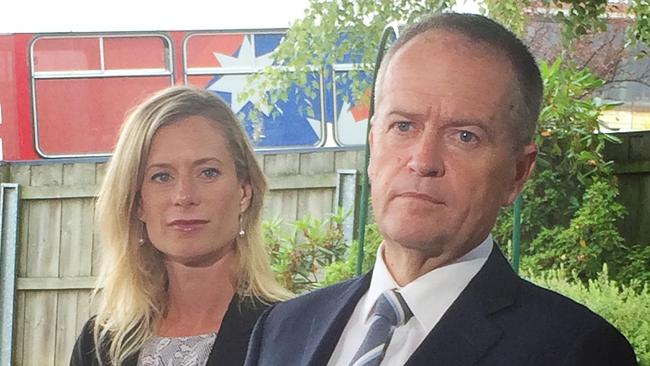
(223, 62)
(83, 86)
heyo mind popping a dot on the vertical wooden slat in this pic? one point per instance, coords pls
(43, 261)
(21, 174)
(281, 204)
(23, 241)
(83, 310)
(23, 246)
(4, 173)
(260, 160)
(40, 315)
(346, 160)
(19, 321)
(316, 202)
(96, 250)
(100, 172)
(281, 164)
(47, 175)
(44, 238)
(75, 257)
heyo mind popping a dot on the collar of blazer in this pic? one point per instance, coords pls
(327, 327)
(465, 327)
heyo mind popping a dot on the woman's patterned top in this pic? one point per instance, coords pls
(177, 351)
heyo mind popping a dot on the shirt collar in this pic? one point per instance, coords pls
(430, 295)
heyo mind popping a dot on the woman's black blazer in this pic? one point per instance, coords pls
(229, 347)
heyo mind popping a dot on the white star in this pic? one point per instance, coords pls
(350, 131)
(236, 84)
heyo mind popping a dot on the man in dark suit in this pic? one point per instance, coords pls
(457, 100)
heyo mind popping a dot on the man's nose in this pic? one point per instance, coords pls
(427, 157)
(185, 193)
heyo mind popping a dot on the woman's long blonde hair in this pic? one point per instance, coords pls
(133, 278)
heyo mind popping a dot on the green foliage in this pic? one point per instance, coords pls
(639, 32)
(511, 14)
(298, 255)
(581, 17)
(329, 31)
(315, 43)
(570, 210)
(590, 239)
(632, 264)
(626, 307)
(346, 267)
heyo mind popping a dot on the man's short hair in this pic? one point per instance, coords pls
(528, 91)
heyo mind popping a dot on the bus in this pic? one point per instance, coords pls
(65, 94)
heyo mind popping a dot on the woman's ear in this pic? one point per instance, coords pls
(139, 211)
(246, 197)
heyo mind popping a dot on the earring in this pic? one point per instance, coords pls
(142, 239)
(241, 227)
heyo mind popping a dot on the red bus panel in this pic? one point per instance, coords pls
(83, 116)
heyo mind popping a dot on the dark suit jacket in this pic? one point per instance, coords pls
(229, 347)
(498, 319)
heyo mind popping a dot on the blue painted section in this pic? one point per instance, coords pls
(295, 122)
(266, 43)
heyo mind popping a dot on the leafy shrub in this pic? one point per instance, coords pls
(569, 205)
(633, 264)
(299, 255)
(590, 239)
(346, 267)
(625, 306)
(321, 258)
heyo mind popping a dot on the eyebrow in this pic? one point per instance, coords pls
(452, 122)
(194, 163)
(407, 115)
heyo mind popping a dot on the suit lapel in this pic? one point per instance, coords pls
(332, 317)
(465, 333)
(232, 340)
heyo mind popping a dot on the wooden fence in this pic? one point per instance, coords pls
(632, 167)
(57, 246)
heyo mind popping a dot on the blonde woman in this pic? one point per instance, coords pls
(185, 273)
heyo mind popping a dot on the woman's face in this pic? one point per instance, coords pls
(191, 198)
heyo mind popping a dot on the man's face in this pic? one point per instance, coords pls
(443, 160)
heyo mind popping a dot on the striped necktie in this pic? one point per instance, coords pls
(390, 311)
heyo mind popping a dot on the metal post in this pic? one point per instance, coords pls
(516, 233)
(391, 31)
(8, 251)
(346, 198)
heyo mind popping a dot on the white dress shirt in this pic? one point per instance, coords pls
(428, 297)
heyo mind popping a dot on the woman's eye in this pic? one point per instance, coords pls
(161, 177)
(466, 136)
(210, 172)
(403, 126)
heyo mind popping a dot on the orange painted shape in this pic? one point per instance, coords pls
(201, 48)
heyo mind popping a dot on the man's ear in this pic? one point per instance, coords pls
(246, 197)
(370, 141)
(524, 166)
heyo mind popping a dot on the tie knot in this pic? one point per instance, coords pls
(391, 306)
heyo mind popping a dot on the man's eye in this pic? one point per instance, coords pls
(403, 126)
(210, 172)
(161, 177)
(466, 136)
